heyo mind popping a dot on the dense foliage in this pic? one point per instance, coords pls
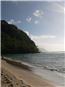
(14, 40)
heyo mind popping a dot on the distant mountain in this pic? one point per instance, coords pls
(42, 50)
(14, 40)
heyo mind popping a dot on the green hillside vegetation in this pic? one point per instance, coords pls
(14, 40)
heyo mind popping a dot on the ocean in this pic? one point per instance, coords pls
(48, 65)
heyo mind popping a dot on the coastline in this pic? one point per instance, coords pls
(21, 72)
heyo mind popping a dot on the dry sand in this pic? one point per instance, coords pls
(15, 76)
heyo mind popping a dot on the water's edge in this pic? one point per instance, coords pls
(50, 74)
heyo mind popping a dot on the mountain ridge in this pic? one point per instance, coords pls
(14, 40)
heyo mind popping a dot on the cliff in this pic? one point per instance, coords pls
(14, 40)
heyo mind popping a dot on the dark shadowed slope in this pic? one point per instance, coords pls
(14, 40)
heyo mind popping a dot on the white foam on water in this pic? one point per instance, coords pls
(56, 78)
(48, 66)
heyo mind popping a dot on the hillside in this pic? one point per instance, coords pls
(14, 40)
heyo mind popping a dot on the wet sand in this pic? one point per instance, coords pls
(15, 74)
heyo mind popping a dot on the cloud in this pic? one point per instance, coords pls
(12, 21)
(36, 22)
(40, 37)
(60, 8)
(27, 33)
(28, 19)
(38, 13)
(57, 7)
(47, 42)
(52, 46)
(43, 37)
(64, 10)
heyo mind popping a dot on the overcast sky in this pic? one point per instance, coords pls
(42, 21)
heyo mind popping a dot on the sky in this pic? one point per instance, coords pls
(42, 21)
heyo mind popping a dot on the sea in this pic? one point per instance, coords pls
(48, 65)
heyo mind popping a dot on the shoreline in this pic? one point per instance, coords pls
(23, 72)
(17, 63)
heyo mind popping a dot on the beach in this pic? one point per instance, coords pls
(15, 74)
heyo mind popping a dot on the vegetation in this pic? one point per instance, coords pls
(14, 40)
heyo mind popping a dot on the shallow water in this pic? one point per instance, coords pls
(48, 65)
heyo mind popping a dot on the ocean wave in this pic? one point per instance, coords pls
(18, 63)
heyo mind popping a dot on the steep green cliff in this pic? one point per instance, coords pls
(14, 40)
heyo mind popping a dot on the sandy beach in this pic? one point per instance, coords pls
(15, 74)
